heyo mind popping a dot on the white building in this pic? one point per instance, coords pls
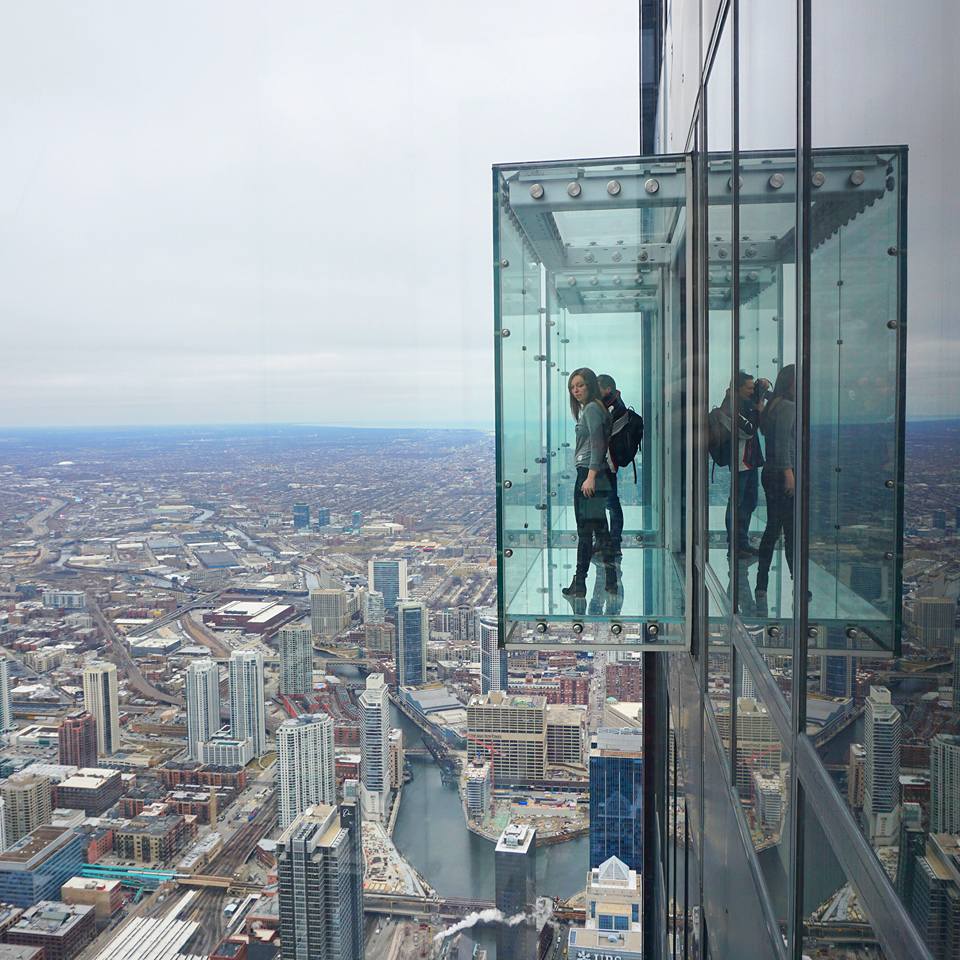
(64, 599)
(493, 661)
(768, 799)
(881, 801)
(478, 790)
(247, 711)
(223, 750)
(375, 747)
(612, 926)
(295, 641)
(6, 704)
(203, 704)
(374, 610)
(329, 612)
(100, 698)
(305, 765)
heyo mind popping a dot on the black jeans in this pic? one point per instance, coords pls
(616, 512)
(779, 518)
(591, 516)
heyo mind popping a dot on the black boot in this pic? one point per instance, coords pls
(577, 588)
(612, 578)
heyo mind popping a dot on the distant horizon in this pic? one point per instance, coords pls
(475, 426)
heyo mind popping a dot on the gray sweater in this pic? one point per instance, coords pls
(781, 426)
(593, 435)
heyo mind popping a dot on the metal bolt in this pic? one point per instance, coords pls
(652, 630)
(812, 633)
(578, 628)
(639, 538)
(574, 189)
(589, 258)
(572, 281)
(507, 484)
(892, 324)
(536, 191)
(643, 256)
(613, 187)
(617, 281)
(504, 332)
(652, 185)
(852, 633)
(504, 263)
(541, 627)
(750, 253)
(753, 275)
(593, 281)
(730, 183)
(892, 251)
(818, 179)
(540, 357)
(889, 484)
(616, 629)
(508, 553)
(888, 556)
(617, 257)
(776, 181)
(857, 178)
(774, 633)
(722, 254)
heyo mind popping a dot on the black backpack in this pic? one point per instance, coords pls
(718, 436)
(626, 438)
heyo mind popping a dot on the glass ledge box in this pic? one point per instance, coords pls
(594, 264)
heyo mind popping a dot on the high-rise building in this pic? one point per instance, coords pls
(566, 735)
(935, 895)
(933, 620)
(319, 885)
(945, 784)
(323, 517)
(616, 796)
(624, 680)
(77, 739)
(940, 519)
(373, 607)
(301, 516)
(511, 733)
(356, 520)
(375, 747)
(6, 703)
(203, 704)
(612, 927)
(493, 660)
(856, 776)
(305, 765)
(388, 577)
(478, 790)
(329, 611)
(295, 641)
(396, 756)
(3, 824)
(412, 625)
(463, 624)
(515, 876)
(101, 699)
(247, 710)
(912, 842)
(379, 637)
(27, 804)
(758, 746)
(956, 675)
(881, 798)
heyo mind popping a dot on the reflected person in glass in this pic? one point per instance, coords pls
(750, 398)
(778, 423)
(593, 481)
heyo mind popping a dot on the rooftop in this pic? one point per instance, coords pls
(40, 841)
(50, 918)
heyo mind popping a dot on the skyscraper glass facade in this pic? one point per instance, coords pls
(746, 283)
(616, 797)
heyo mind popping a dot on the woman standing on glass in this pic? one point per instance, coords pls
(778, 422)
(593, 480)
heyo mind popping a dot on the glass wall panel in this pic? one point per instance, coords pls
(589, 279)
(719, 308)
(836, 925)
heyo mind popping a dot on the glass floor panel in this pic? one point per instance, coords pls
(832, 603)
(651, 588)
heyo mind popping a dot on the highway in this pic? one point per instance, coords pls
(122, 658)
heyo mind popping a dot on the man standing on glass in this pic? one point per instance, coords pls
(612, 400)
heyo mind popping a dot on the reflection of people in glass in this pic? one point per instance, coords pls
(750, 400)
(616, 408)
(778, 423)
(593, 480)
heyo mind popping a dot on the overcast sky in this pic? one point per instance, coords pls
(252, 212)
(216, 212)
